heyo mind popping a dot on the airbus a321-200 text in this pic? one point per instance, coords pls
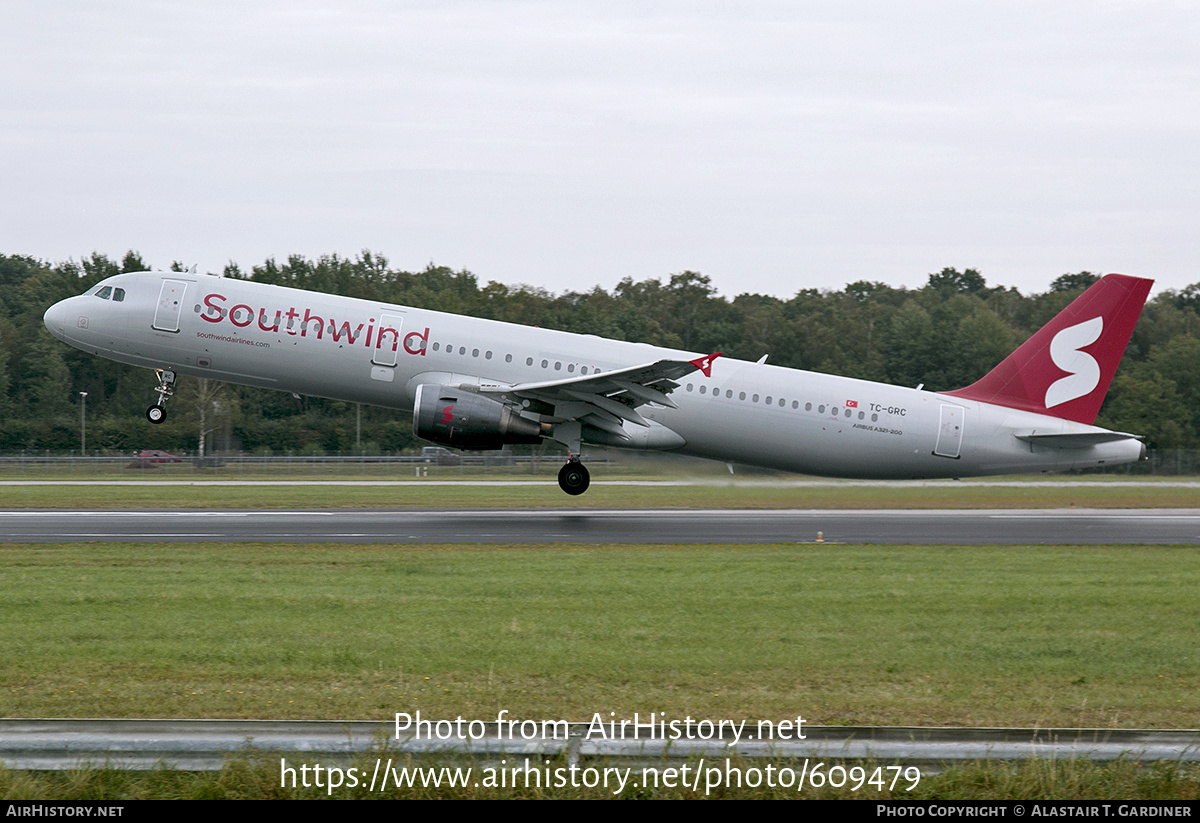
(481, 384)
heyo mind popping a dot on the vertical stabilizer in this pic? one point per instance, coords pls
(1065, 369)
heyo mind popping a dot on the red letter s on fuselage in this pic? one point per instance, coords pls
(220, 312)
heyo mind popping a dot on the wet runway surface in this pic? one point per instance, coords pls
(646, 526)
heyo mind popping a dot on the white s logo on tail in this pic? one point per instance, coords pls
(1084, 371)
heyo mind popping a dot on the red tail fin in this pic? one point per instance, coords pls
(1065, 369)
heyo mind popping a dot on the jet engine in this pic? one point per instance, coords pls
(468, 420)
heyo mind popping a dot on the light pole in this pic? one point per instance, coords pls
(82, 423)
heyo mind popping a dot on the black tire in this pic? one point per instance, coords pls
(573, 478)
(156, 414)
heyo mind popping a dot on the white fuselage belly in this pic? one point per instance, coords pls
(891, 432)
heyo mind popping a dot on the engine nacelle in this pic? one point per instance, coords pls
(468, 420)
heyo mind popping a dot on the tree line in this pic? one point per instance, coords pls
(945, 335)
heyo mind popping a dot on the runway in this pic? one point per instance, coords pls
(592, 526)
(201, 745)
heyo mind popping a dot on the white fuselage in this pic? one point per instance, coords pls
(367, 352)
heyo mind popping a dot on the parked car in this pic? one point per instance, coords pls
(159, 456)
(148, 458)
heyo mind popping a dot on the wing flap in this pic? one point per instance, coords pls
(659, 375)
(604, 399)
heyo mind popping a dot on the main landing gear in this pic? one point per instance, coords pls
(166, 387)
(573, 477)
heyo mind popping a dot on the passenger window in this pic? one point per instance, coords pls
(474, 352)
(781, 402)
(755, 398)
(729, 394)
(703, 389)
(741, 395)
(571, 367)
(808, 406)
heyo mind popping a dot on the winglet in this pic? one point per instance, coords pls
(704, 363)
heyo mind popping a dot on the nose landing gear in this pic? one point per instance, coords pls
(166, 387)
(573, 477)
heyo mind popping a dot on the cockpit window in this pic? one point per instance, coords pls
(104, 293)
(118, 295)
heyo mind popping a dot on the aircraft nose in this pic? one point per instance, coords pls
(56, 318)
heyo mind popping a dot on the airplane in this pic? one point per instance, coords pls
(481, 384)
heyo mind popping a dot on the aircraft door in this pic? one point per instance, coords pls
(388, 340)
(950, 431)
(170, 303)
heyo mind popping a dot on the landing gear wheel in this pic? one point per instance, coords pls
(166, 387)
(573, 478)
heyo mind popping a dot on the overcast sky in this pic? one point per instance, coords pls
(773, 146)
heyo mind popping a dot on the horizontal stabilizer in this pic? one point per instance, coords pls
(1076, 440)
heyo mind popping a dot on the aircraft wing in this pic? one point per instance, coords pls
(605, 399)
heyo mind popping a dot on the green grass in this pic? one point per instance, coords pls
(989, 636)
(259, 778)
(719, 494)
(1021, 636)
(709, 486)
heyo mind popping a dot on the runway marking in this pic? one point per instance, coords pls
(798, 484)
(174, 513)
(579, 514)
(1096, 516)
(116, 535)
